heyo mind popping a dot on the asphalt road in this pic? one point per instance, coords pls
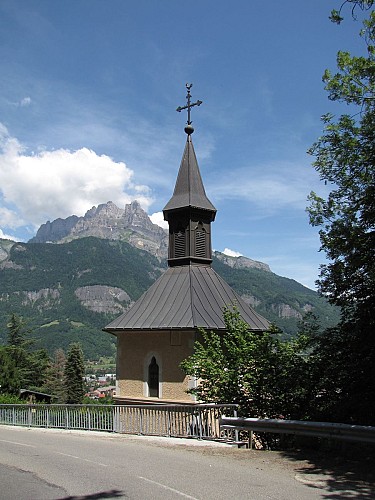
(48, 464)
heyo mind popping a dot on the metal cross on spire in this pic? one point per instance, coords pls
(189, 129)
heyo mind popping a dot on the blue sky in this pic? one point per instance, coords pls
(88, 94)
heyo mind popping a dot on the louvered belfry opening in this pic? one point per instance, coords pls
(189, 238)
(201, 241)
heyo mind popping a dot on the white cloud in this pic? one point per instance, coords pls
(5, 236)
(26, 101)
(231, 253)
(10, 219)
(271, 187)
(158, 218)
(51, 184)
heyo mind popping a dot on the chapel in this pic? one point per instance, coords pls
(159, 331)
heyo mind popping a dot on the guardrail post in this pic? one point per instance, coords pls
(236, 434)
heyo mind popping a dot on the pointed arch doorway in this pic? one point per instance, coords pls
(153, 378)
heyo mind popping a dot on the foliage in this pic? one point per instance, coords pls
(262, 374)
(345, 158)
(274, 292)
(343, 376)
(336, 15)
(57, 321)
(10, 399)
(21, 367)
(54, 383)
(73, 375)
(100, 401)
(16, 331)
(60, 319)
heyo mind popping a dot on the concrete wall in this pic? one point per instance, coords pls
(134, 353)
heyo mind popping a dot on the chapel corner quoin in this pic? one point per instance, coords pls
(160, 329)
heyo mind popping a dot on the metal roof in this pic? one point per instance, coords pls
(186, 297)
(189, 190)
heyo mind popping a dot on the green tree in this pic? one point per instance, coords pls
(16, 332)
(21, 367)
(336, 15)
(10, 374)
(73, 374)
(345, 158)
(54, 383)
(265, 376)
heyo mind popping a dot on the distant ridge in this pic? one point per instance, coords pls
(131, 224)
(102, 262)
(68, 291)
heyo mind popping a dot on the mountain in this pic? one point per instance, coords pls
(131, 224)
(69, 291)
(107, 221)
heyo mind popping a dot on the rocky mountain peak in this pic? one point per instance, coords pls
(130, 224)
(108, 221)
(108, 209)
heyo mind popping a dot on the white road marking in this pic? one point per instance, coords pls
(80, 458)
(167, 488)
(19, 444)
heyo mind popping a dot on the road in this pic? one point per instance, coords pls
(50, 464)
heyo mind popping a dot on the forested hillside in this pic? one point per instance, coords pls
(41, 282)
(68, 292)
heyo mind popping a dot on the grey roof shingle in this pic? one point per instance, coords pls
(186, 297)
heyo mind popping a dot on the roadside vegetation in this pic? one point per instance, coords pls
(324, 373)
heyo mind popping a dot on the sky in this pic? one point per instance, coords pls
(88, 98)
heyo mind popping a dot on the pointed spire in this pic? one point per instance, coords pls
(189, 190)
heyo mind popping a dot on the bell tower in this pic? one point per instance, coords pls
(189, 212)
(160, 329)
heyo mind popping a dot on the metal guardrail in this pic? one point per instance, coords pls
(346, 432)
(195, 421)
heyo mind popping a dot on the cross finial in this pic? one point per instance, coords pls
(189, 129)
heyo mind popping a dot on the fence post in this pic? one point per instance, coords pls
(114, 418)
(140, 421)
(169, 422)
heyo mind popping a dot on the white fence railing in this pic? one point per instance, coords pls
(197, 421)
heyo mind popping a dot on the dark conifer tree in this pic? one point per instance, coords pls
(73, 375)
